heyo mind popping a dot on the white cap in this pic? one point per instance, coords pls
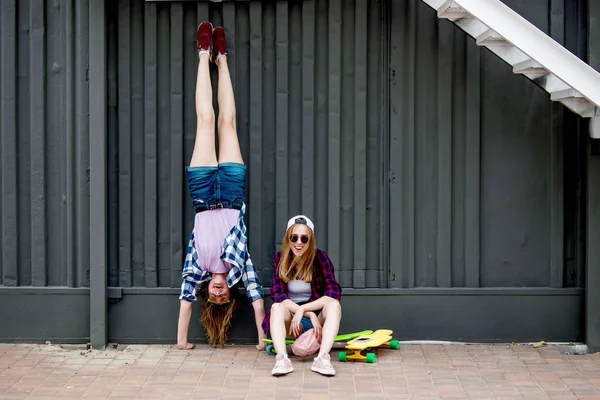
(292, 221)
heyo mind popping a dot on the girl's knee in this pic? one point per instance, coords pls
(206, 116)
(226, 120)
(334, 306)
(277, 309)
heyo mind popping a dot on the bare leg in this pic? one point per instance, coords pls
(204, 155)
(204, 148)
(280, 322)
(229, 146)
(330, 320)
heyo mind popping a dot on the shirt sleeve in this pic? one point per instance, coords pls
(251, 281)
(192, 274)
(278, 288)
(332, 287)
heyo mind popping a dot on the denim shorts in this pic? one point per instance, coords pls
(213, 187)
(306, 324)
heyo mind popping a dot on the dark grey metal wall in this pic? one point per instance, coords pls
(44, 148)
(308, 82)
(445, 188)
(592, 320)
(476, 158)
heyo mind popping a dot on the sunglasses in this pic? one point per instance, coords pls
(303, 238)
(218, 300)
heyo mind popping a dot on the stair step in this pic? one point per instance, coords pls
(452, 11)
(530, 68)
(490, 37)
(575, 101)
(565, 94)
(595, 125)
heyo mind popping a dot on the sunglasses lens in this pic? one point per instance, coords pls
(303, 239)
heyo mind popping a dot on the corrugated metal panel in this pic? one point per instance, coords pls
(308, 81)
(44, 149)
(476, 154)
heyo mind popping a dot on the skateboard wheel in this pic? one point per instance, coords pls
(394, 344)
(271, 350)
(371, 358)
(342, 356)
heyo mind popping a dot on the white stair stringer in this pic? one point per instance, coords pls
(530, 52)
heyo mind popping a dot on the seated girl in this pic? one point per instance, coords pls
(306, 298)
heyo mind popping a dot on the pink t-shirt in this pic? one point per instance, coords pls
(211, 227)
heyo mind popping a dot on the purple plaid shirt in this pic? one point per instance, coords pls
(323, 283)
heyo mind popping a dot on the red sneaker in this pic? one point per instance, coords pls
(219, 44)
(204, 35)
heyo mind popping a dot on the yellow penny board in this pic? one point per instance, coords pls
(360, 344)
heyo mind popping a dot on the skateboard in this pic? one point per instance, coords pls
(362, 344)
(340, 340)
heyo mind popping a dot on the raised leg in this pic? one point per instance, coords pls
(229, 146)
(204, 147)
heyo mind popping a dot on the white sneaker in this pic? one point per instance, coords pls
(283, 365)
(322, 365)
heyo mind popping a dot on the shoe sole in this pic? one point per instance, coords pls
(322, 372)
(284, 372)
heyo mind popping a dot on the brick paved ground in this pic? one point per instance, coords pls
(414, 371)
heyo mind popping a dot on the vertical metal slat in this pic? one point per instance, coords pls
(8, 137)
(321, 51)
(334, 124)
(125, 154)
(347, 139)
(360, 144)
(409, 174)
(281, 118)
(82, 142)
(255, 155)
(38, 144)
(138, 86)
(383, 223)
(425, 148)
(376, 133)
(98, 207)
(308, 108)
(473, 163)
(71, 155)
(397, 250)
(112, 145)
(150, 145)
(445, 40)
(176, 253)
(163, 143)
(459, 149)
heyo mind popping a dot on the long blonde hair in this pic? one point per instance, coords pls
(216, 318)
(299, 266)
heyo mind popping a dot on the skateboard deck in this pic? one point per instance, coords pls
(365, 342)
(339, 340)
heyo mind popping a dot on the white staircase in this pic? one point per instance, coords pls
(530, 52)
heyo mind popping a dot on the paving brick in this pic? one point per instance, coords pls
(240, 372)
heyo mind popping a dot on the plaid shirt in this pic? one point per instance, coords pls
(323, 283)
(235, 253)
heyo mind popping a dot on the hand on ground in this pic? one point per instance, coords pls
(261, 345)
(186, 346)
